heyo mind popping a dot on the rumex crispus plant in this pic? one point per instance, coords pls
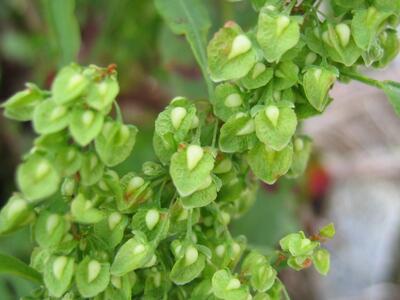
(162, 232)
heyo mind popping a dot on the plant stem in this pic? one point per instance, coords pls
(214, 140)
(189, 225)
(361, 78)
(118, 112)
(291, 5)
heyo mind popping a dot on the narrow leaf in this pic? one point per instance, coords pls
(189, 17)
(64, 28)
(14, 266)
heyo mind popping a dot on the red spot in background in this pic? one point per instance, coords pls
(318, 182)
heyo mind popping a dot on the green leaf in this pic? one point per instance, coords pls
(301, 154)
(317, 82)
(201, 197)
(298, 263)
(276, 34)
(237, 134)
(258, 76)
(269, 165)
(102, 93)
(262, 296)
(177, 119)
(328, 231)
(289, 239)
(297, 244)
(258, 4)
(115, 142)
(136, 191)
(189, 168)
(14, 266)
(49, 229)
(227, 287)
(189, 17)
(58, 275)
(231, 54)
(185, 269)
(92, 169)
(286, 75)
(391, 46)
(229, 100)
(85, 125)
(68, 160)
(152, 222)
(51, 143)
(350, 4)
(121, 287)
(339, 44)
(64, 28)
(276, 124)
(392, 6)
(202, 290)
(135, 253)
(251, 261)
(92, 277)
(392, 91)
(37, 178)
(111, 229)
(49, 117)
(164, 147)
(321, 260)
(82, 211)
(365, 25)
(15, 214)
(21, 105)
(262, 277)
(69, 84)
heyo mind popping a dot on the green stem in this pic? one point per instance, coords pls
(118, 112)
(158, 198)
(285, 292)
(291, 5)
(361, 78)
(214, 140)
(189, 226)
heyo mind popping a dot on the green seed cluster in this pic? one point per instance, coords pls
(162, 232)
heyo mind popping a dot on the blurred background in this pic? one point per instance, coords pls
(352, 179)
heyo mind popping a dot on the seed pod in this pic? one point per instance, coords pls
(58, 275)
(316, 83)
(15, 214)
(92, 277)
(177, 116)
(152, 218)
(189, 168)
(230, 53)
(188, 267)
(115, 142)
(101, 94)
(85, 125)
(226, 286)
(194, 154)
(276, 34)
(21, 105)
(49, 229)
(69, 84)
(133, 254)
(272, 113)
(241, 44)
(37, 178)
